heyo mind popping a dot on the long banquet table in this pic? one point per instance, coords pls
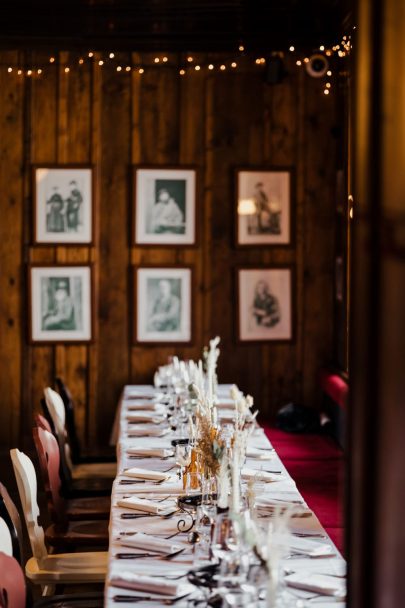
(284, 489)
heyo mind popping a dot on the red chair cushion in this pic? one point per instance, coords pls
(335, 387)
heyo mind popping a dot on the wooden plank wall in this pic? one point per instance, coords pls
(215, 121)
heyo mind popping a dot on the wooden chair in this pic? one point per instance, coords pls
(9, 513)
(75, 447)
(13, 592)
(63, 510)
(72, 488)
(56, 408)
(45, 569)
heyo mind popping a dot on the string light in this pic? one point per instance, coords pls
(39, 72)
(128, 68)
(299, 62)
(156, 59)
(51, 59)
(306, 60)
(165, 60)
(101, 62)
(329, 73)
(67, 70)
(292, 48)
(328, 53)
(326, 92)
(19, 72)
(81, 61)
(197, 68)
(141, 70)
(328, 85)
(91, 54)
(9, 70)
(322, 48)
(222, 67)
(211, 66)
(119, 68)
(234, 64)
(241, 48)
(111, 55)
(190, 59)
(182, 72)
(29, 72)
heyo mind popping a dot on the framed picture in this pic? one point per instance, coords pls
(163, 305)
(63, 205)
(263, 207)
(61, 303)
(265, 304)
(165, 206)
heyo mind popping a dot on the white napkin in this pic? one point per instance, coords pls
(138, 473)
(259, 475)
(310, 547)
(128, 580)
(225, 403)
(318, 583)
(144, 417)
(259, 454)
(168, 487)
(265, 504)
(150, 543)
(156, 452)
(147, 430)
(146, 506)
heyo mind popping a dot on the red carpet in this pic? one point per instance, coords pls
(315, 463)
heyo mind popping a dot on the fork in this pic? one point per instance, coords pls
(140, 598)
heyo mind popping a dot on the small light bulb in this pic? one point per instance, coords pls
(234, 64)
(292, 48)
(262, 60)
(39, 71)
(51, 59)
(241, 48)
(322, 48)
(111, 55)
(9, 69)
(257, 61)
(329, 73)
(197, 68)
(298, 62)
(119, 68)
(211, 66)
(19, 72)
(328, 85)
(101, 62)
(165, 60)
(326, 92)
(67, 70)
(29, 72)
(328, 53)
(182, 72)
(81, 61)
(157, 59)
(306, 60)
(128, 68)
(91, 54)
(351, 213)
(190, 59)
(222, 67)
(141, 70)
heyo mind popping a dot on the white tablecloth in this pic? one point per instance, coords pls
(284, 489)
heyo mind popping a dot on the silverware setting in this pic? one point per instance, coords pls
(133, 555)
(141, 598)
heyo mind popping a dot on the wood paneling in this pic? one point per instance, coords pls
(215, 121)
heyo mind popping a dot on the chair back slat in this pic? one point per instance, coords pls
(49, 461)
(27, 488)
(12, 583)
(10, 514)
(70, 420)
(6, 542)
(42, 423)
(58, 429)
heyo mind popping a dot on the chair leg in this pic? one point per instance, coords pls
(48, 590)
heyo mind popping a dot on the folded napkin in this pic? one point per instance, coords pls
(138, 582)
(267, 505)
(318, 583)
(146, 506)
(169, 487)
(259, 475)
(147, 430)
(151, 543)
(310, 547)
(144, 417)
(150, 452)
(139, 473)
(259, 454)
(225, 403)
(142, 406)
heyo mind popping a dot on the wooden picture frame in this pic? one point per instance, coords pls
(162, 305)
(165, 206)
(266, 307)
(61, 303)
(63, 204)
(264, 206)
